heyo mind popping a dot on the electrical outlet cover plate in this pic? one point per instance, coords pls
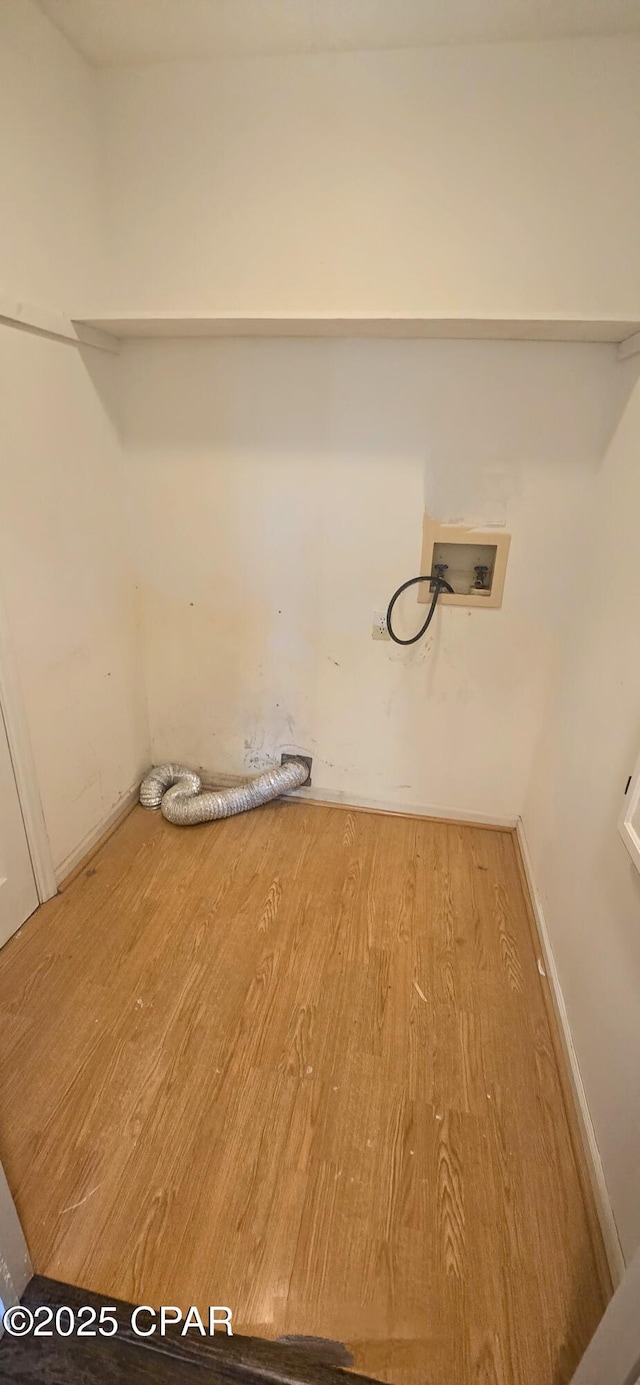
(379, 627)
(436, 533)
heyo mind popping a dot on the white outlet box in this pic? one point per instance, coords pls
(379, 630)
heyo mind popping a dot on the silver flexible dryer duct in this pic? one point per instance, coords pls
(179, 793)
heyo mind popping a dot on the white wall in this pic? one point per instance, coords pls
(277, 492)
(482, 180)
(65, 574)
(52, 227)
(589, 887)
(67, 582)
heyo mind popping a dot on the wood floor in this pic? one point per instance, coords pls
(301, 1062)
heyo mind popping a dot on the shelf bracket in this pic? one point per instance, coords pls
(629, 347)
(46, 322)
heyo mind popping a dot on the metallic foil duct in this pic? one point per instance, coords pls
(178, 792)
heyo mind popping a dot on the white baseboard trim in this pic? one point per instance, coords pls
(89, 841)
(222, 779)
(606, 1218)
(344, 799)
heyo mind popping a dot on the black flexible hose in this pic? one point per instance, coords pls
(439, 586)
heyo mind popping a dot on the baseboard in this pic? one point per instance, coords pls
(343, 799)
(602, 1201)
(77, 859)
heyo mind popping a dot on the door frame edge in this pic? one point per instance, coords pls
(13, 714)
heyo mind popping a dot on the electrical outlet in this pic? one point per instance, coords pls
(379, 630)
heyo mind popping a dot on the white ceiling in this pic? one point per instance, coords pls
(143, 31)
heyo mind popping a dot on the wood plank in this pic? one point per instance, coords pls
(302, 1062)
